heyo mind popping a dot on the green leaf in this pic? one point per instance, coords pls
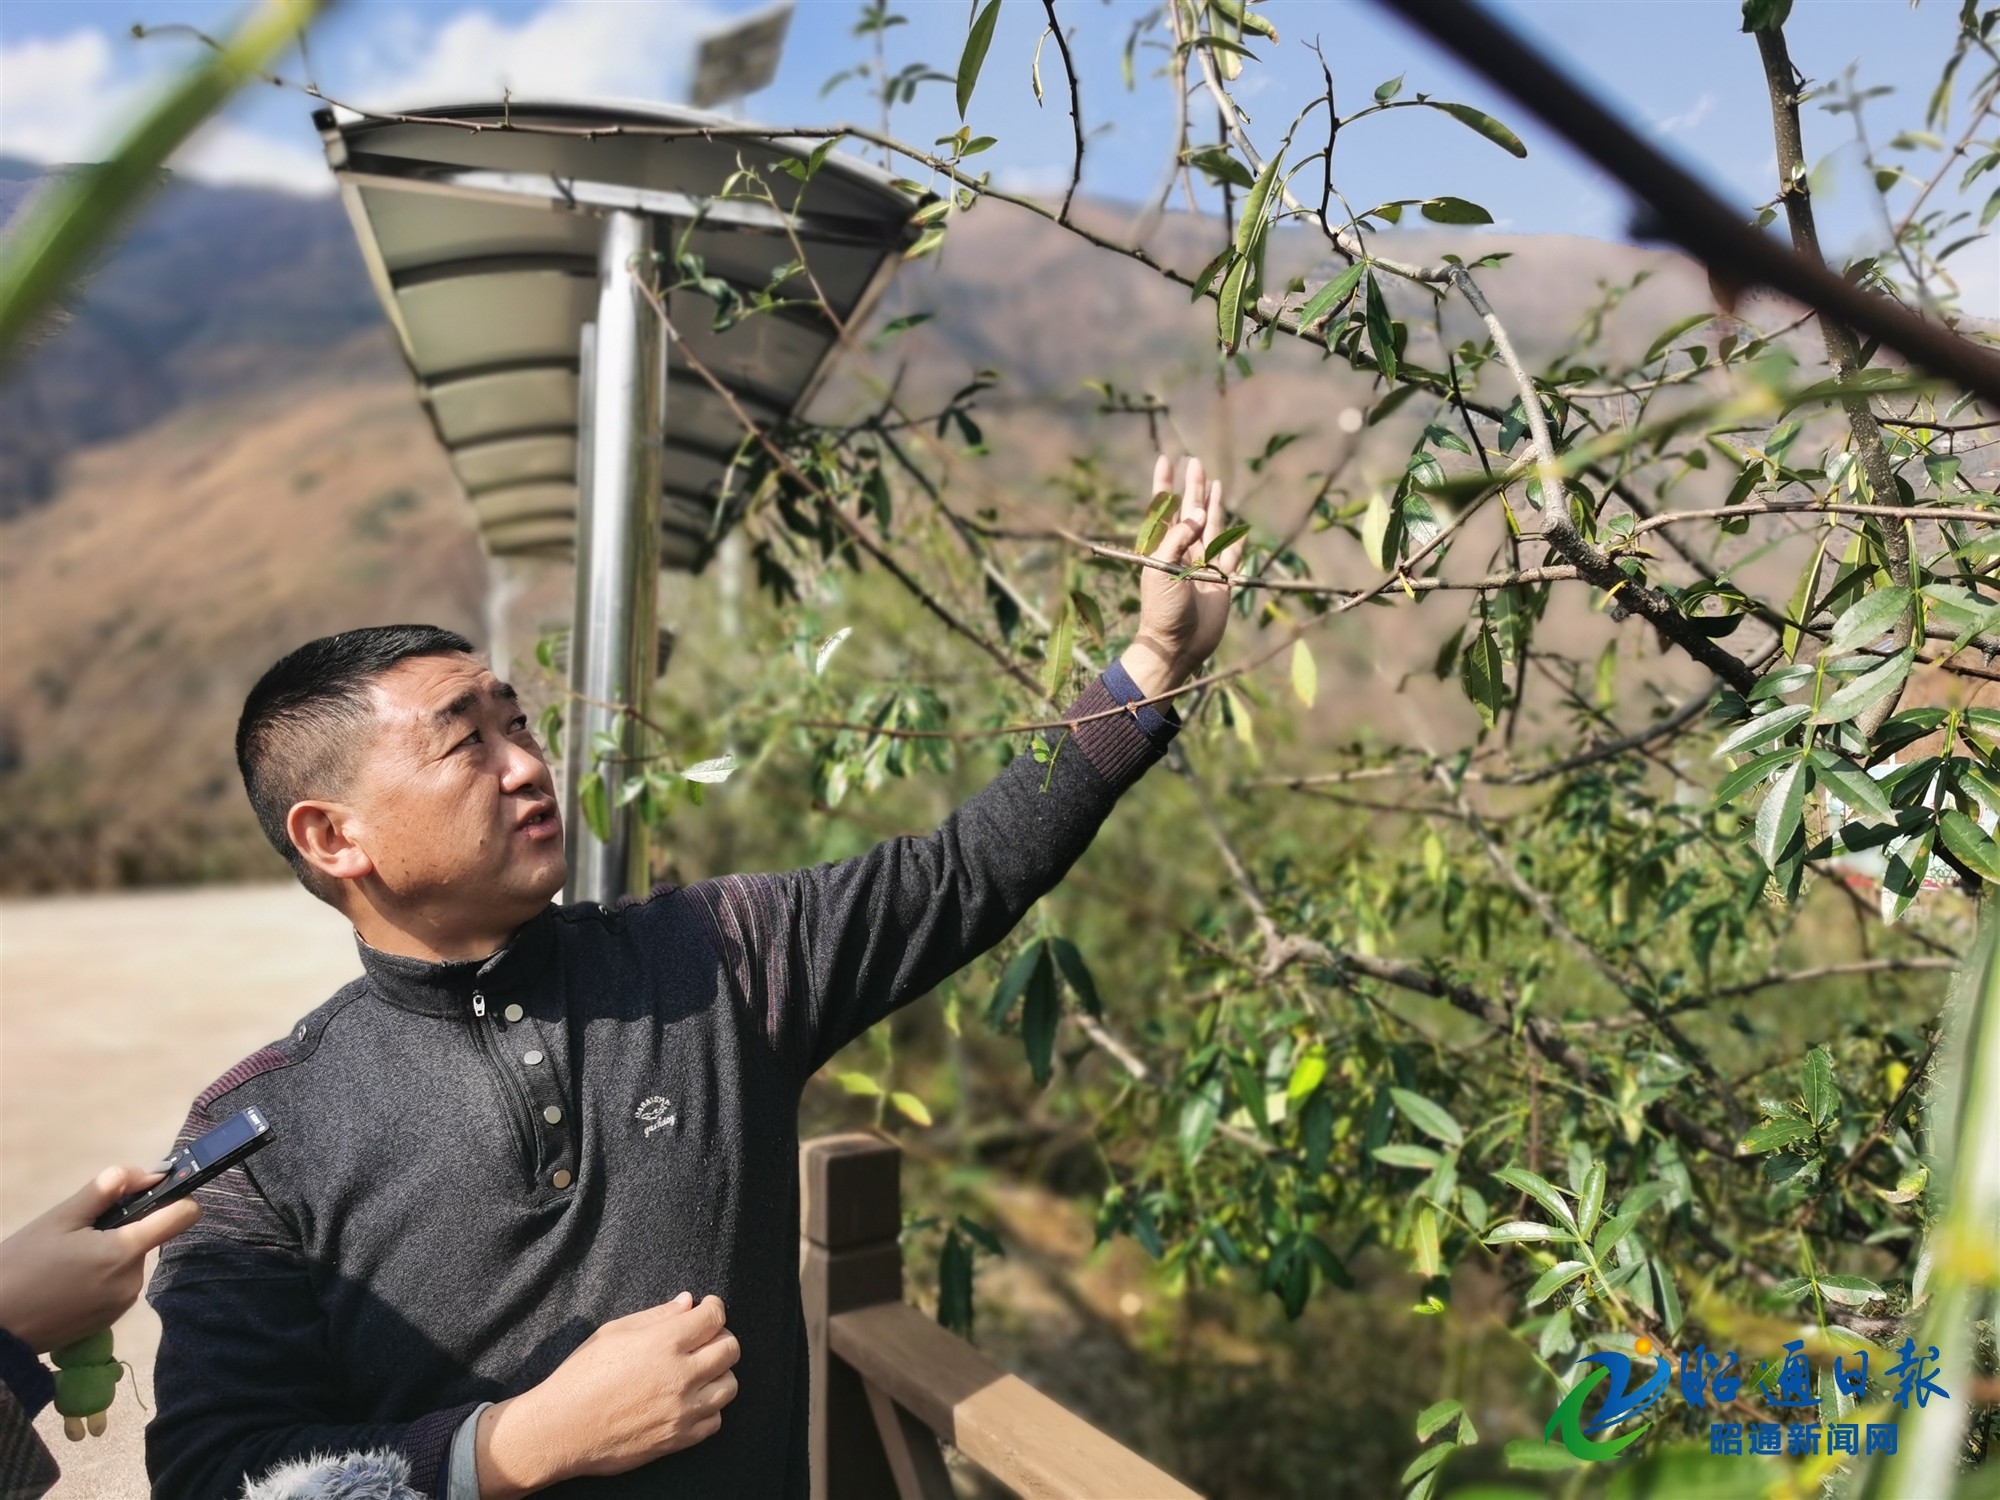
(1865, 691)
(1381, 333)
(1056, 665)
(713, 771)
(1852, 785)
(1424, 1241)
(1198, 1117)
(954, 1308)
(1612, 1235)
(1782, 812)
(595, 800)
(1153, 530)
(1879, 381)
(1256, 204)
(1013, 980)
(1333, 295)
(911, 1108)
(1431, 1418)
(1750, 773)
(1305, 673)
(1904, 879)
(1672, 332)
(931, 238)
(1541, 1190)
(1454, 211)
(1427, 1460)
(1076, 974)
(1484, 123)
(1592, 1202)
(1849, 1291)
(1375, 519)
(1225, 539)
(1971, 844)
(827, 648)
(1229, 303)
(1762, 730)
(1307, 1074)
(1874, 615)
(1765, 15)
(1544, 1457)
(859, 1083)
(1776, 1135)
(1088, 612)
(1398, 1155)
(1219, 164)
(974, 56)
(1206, 275)
(1556, 1277)
(1483, 673)
(1522, 1231)
(1431, 1118)
(1816, 1087)
(1039, 1015)
(1384, 92)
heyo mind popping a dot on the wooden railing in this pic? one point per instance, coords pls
(888, 1383)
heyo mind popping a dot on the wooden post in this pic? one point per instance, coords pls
(850, 1216)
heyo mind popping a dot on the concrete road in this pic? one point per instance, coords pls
(115, 1011)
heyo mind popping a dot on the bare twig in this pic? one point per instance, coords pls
(1075, 109)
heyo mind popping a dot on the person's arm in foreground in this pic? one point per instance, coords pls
(61, 1279)
(819, 955)
(245, 1380)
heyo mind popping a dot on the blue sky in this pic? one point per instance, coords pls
(1679, 69)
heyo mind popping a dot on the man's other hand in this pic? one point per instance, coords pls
(1181, 620)
(62, 1279)
(639, 1388)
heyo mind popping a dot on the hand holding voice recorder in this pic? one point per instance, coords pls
(202, 1158)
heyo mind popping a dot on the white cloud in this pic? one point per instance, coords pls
(41, 84)
(63, 98)
(570, 49)
(1687, 119)
(225, 152)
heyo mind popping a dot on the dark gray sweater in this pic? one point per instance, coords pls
(478, 1163)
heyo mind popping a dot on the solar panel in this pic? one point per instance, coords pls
(483, 247)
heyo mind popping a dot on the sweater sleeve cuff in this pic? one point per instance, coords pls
(1120, 745)
(31, 1381)
(427, 1444)
(462, 1475)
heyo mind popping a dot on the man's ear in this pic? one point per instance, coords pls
(319, 832)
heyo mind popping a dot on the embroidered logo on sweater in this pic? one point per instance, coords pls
(657, 1112)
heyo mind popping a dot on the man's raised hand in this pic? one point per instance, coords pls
(639, 1388)
(1181, 619)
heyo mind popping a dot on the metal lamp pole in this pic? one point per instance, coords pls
(612, 647)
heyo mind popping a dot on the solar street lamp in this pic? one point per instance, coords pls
(505, 259)
(735, 61)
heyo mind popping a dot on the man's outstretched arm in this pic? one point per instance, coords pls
(821, 954)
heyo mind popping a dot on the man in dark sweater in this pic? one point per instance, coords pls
(524, 1164)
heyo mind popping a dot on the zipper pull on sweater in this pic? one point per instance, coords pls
(478, 1003)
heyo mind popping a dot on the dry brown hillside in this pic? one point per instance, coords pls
(172, 566)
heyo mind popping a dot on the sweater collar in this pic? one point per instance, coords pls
(445, 989)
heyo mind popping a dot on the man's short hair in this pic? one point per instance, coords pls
(297, 736)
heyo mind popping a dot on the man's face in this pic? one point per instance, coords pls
(453, 800)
